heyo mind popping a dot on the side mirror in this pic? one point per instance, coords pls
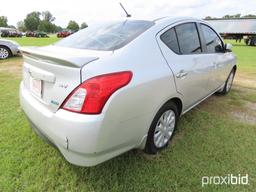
(219, 49)
(228, 47)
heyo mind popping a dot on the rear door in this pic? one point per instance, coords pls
(181, 47)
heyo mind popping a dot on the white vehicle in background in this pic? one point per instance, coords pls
(8, 48)
(236, 28)
(122, 85)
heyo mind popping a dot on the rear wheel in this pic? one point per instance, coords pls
(162, 128)
(4, 52)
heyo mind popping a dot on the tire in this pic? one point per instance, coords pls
(228, 83)
(162, 128)
(4, 52)
(253, 43)
(246, 41)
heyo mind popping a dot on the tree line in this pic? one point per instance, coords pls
(41, 21)
(236, 16)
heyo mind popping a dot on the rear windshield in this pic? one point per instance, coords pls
(107, 36)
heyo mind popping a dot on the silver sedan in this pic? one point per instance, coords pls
(8, 48)
(121, 85)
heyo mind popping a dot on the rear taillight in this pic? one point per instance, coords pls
(91, 96)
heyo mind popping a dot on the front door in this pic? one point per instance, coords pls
(220, 60)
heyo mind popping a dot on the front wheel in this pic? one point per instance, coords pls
(228, 83)
(162, 128)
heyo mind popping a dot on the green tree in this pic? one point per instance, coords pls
(3, 21)
(249, 16)
(57, 28)
(72, 25)
(232, 16)
(83, 25)
(21, 26)
(210, 17)
(226, 17)
(32, 21)
(46, 24)
(47, 16)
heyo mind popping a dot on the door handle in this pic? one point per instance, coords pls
(181, 74)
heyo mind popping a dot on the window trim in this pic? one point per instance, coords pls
(177, 39)
(198, 34)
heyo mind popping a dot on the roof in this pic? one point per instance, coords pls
(173, 19)
(234, 26)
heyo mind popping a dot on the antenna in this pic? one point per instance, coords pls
(127, 14)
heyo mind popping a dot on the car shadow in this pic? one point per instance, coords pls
(123, 171)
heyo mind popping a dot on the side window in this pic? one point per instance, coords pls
(188, 38)
(170, 40)
(213, 42)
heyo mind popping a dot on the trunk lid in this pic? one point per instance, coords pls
(51, 73)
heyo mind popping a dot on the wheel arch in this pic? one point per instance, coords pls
(146, 142)
(178, 102)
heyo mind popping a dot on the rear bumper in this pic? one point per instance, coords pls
(75, 135)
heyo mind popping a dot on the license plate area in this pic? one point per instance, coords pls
(36, 87)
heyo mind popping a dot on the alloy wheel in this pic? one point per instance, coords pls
(164, 128)
(3, 53)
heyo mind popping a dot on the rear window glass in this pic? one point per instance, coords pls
(107, 36)
(170, 39)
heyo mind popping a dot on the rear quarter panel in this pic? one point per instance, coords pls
(130, 111)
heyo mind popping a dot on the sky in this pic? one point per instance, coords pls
(90, 11)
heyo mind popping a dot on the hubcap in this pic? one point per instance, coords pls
(230, 80)
(164, 128)
(3, 53)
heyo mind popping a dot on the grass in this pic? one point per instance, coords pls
(33, 41)
(245, 56)
(209, 141)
